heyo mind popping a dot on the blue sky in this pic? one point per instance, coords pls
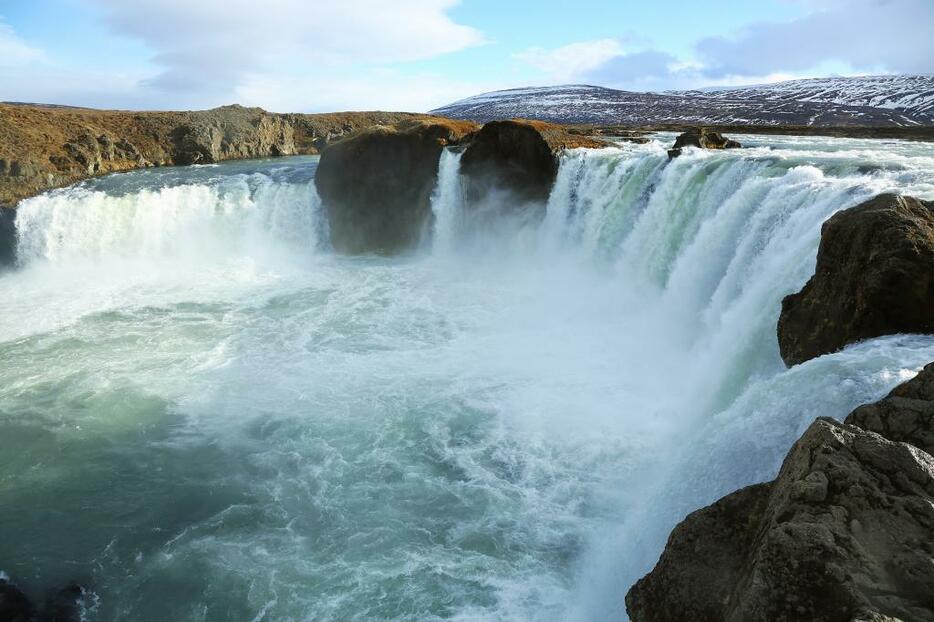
(316, 55)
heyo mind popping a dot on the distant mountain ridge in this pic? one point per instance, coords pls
(875, 101)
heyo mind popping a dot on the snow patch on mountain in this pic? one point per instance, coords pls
(863, 101)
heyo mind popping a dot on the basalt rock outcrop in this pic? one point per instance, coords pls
(376, 185)
(874, 276)
(517, 156)
(701, 138)
(844, 533)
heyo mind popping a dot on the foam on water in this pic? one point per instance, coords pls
(208, 416)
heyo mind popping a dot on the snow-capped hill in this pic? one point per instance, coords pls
(913, 95)
(875, 101)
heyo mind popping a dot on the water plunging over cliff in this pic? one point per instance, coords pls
(209, 414)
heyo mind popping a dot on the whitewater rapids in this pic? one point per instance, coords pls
(207, 415)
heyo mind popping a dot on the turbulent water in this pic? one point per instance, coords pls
(206, 415)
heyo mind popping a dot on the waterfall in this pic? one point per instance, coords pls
(447, 200)
(532, 413)
(223, 216)
(707, 245)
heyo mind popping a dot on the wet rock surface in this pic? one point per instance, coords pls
(845, 532)
(874, 276)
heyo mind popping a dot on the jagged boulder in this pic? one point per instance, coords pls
(874, 276)
(517, 156)
(702, 138)
(376, 184)
(844, 533)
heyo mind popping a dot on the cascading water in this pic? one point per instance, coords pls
(447, 200)
(204, 416)
(197, 218)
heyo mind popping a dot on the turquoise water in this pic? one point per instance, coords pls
(207, 415)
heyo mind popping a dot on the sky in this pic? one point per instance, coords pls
(326, 55)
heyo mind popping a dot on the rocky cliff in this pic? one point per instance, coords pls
(43, 147)
(844, 533)
(874, 276)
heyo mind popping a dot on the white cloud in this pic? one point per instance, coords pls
(13, 50)
(574, 60)
(213, 45)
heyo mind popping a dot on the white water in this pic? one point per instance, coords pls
(500, 431)
(447, 201)
(198, 221)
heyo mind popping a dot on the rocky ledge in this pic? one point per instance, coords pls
(874, 276)
(844, 533)
(376, 184)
